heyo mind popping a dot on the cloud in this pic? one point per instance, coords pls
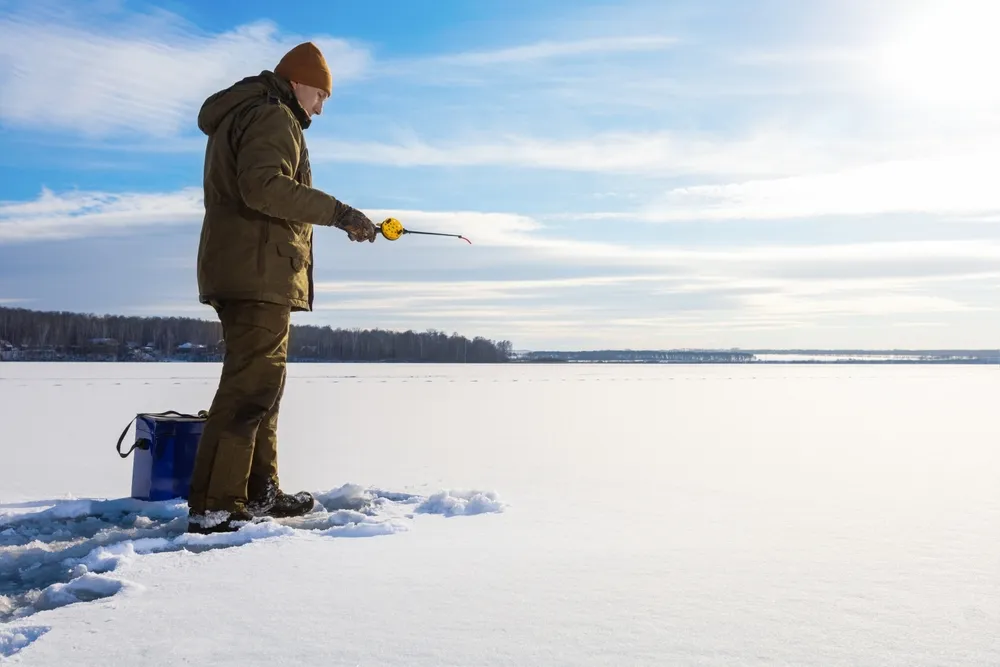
(81, 214)
(803, 57)
(568, 63)
(548, 287)
(77, 214)
(656, 309)
(740, 280)
(454, 297)
(545, 50)
(817, 156)
(477, 288)
(141, 73)
(878, 258)
(960, 184)
(880, 304)
(658, 153)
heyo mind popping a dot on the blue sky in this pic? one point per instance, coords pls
(632, 174)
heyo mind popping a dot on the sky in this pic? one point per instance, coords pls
(636, 174)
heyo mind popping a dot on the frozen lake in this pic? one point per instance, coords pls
(651, 515)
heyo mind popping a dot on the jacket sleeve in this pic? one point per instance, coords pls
(266, 161)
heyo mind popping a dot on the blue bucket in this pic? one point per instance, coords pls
(165, 446)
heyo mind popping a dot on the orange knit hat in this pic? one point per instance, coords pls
(306, 64)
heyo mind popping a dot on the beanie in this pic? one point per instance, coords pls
(305, 64)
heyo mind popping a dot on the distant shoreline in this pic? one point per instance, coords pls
(757, 357)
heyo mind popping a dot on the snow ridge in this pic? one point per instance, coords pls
(65, 554)
(455, 503)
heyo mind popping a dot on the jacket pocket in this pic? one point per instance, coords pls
(298, 256)
(245, 317)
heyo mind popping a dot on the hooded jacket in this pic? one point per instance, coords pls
(260, 206)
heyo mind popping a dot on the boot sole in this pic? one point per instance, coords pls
(288, 514)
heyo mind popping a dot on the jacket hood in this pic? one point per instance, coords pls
(218, 105)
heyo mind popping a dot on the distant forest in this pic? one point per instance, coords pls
(36, 335)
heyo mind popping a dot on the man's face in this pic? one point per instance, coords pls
(310, 98)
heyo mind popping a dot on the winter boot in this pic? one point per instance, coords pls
(218, 521)
(266, 499)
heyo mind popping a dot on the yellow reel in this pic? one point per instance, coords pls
(391, 228)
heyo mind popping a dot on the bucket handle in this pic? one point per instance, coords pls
(143, 443)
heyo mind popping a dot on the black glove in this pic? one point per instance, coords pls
(356, 224)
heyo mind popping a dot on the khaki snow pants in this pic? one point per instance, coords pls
(238, 449)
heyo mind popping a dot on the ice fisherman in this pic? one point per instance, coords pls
(255, 267)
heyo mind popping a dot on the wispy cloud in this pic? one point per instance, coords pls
(473, 298)
(618, 293)
(142, 73)
(659, 153)
(857, 304)
(954, 183)
(656, 309)
(81, 214)
(541, 51)
(948, 185)
(804, 57)
(76, 214)
(547, 68)
(760, 153)
(478, 288)
(603, 302)
(764, 150)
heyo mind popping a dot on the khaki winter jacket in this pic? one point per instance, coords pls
(260, 206)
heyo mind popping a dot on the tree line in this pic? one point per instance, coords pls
(69, 334)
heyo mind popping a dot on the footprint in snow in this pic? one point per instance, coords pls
(65, 553)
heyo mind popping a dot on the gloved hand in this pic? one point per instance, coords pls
(357, 225)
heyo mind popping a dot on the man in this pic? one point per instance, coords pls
(255, 267)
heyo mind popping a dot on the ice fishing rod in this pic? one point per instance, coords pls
(392, 229)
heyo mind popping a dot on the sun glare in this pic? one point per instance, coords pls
(944, 54)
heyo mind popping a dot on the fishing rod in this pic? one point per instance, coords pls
(392, 229)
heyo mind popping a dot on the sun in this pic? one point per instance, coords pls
(943, 54)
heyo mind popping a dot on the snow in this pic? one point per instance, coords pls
(520, 515)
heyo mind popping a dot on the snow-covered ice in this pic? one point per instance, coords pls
(56, 556)
(520, 515)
